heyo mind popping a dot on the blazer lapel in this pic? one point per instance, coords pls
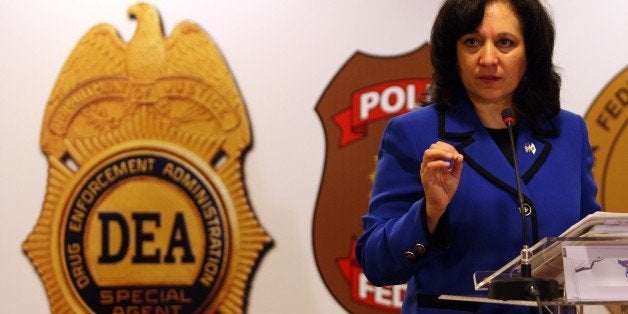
(531, 150)
(482, 154)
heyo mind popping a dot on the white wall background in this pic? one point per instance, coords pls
(282, 54)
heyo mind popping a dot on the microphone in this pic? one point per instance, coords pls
(525, 287)
(508, 116)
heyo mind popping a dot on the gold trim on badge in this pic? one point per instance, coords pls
(607, 120)
(145, 205)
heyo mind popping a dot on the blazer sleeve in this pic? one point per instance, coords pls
(395, 241)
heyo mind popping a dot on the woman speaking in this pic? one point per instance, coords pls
(444, 202)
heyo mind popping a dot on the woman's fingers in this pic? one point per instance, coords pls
(440, 155)
(456, 168)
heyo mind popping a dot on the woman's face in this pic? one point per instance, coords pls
(492, 59)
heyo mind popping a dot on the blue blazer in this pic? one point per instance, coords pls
(482, 228)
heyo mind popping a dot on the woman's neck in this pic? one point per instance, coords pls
(490, 114)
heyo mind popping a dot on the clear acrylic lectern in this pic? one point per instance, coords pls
(589, 261)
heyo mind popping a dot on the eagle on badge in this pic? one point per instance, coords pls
(149, 58)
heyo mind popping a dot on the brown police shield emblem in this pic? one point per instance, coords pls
(145, 208)
(354, 109)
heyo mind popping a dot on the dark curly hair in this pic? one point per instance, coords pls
(538, 94)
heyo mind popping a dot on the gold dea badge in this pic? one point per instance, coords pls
(145, 208)
(607, 122)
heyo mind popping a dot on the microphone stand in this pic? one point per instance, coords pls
(525, 287)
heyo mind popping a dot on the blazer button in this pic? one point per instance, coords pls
(409, 255)
(420, 248)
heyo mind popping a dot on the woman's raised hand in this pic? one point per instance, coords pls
(440, 174)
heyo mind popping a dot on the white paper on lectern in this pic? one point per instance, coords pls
(596, 273)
